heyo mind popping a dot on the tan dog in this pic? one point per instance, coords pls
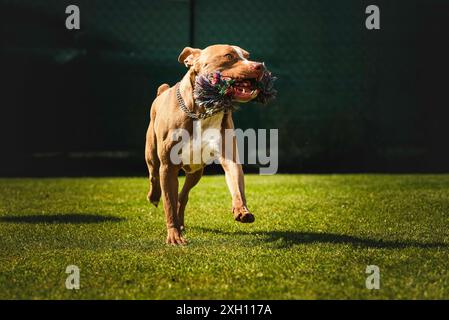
(167, 115)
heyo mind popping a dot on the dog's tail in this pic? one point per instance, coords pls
(162, 88)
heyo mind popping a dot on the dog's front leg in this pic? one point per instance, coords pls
(169, 184)
(234, 172)
(236, 185)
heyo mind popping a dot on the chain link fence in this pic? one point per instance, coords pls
(347, 96)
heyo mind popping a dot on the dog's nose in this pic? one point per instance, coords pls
(258, 66)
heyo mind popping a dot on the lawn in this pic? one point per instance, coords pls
(313, 237)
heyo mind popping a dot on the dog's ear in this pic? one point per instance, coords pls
(245, 53)
(241, 52)
(188, 56)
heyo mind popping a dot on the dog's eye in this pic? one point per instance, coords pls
(229, 56)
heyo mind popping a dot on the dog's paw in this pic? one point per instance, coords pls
(243, 215)
(174, 237)
(247, 218)
(154, 200)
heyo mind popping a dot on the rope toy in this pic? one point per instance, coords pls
(214, 93)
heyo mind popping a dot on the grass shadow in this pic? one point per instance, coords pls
(285, 239)
(60, 218)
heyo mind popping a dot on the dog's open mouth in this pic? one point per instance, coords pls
(217, 92)
(242, 90)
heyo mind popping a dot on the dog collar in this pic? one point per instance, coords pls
(209, 112)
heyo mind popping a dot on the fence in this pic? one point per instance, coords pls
(350, 99)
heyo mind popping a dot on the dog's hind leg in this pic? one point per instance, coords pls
(153, 163)
(190, 181)
(151, 156)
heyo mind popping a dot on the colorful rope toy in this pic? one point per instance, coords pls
(213, 92)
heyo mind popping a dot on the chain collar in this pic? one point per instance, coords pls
(193, 115)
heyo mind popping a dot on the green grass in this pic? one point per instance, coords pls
(313, 237)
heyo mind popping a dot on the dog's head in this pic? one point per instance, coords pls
(232, 62)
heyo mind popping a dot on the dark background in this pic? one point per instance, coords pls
(350, 99)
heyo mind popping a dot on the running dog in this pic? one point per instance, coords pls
(176, 108)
